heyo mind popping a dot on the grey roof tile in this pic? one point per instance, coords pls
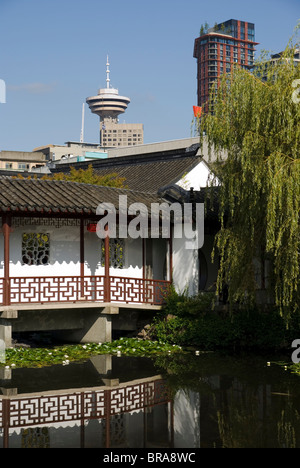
(34, 195)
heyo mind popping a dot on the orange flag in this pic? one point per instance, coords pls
(197, 111)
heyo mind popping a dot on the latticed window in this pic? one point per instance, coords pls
(116, 253)
(35, 249)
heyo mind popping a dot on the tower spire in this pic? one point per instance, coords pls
(107, 73)
(108, 104)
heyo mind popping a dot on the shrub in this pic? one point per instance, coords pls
(190, 321)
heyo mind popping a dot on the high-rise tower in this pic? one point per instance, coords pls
(218, 49)
(108, 105)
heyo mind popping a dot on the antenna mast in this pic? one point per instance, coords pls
(107, 73)
(82, 125)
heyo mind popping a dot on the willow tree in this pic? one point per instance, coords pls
(256, 121)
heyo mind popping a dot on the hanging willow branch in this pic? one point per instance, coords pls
(256, 122)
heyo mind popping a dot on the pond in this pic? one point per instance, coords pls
(183, 401)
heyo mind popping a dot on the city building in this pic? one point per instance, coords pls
(108, 105)
(20, 161)
(71, 149)
(218, 49)
(279, 55)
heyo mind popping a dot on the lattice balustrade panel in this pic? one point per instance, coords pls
(58, 408)
(83, 405)
(94, 405)
(56, 289)
(44, 410)
(138, 290)
(93, 288)
(136, 397)
(126, 289)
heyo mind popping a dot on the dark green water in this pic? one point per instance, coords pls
(206, 401)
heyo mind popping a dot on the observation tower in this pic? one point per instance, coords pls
(108, 105)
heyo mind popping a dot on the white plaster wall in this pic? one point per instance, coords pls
(185, 266)
(186, 419)
(197, 177)
(133, 260)
(65, 254)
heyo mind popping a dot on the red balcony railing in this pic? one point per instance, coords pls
(41, 290)
(77, 408)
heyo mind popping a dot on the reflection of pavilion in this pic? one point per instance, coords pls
(92, 418)
(117, 413)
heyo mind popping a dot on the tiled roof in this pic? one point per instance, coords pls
(48, 196)
(143, 173)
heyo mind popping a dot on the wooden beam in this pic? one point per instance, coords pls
(106, 267)
(81, 258)
(6, 228)
(170, 278)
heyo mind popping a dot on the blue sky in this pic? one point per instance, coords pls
(53, 56)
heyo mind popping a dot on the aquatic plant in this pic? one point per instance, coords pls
(40, 357)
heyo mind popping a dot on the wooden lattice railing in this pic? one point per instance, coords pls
(41, 290)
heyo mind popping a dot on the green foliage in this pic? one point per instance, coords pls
(257, 123)
(85, 176)
(190, 321)
(204, 28)
(244, 330)
(41, 357)
(183, 305)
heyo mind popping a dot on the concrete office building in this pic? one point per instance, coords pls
(71, 149)
(21, 160)
(108, 105)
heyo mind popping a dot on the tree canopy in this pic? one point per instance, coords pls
(86, 176)
(255, 118)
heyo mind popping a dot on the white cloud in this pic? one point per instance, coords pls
(33, 88)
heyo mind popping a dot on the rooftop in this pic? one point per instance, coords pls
(60, 197)
(146, 169)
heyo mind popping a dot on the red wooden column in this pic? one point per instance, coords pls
(6, 421)
(107, 411)
(6, 227)
(106, 267)
(171, 253)
(81, 293)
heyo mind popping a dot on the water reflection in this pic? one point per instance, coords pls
(183, 402)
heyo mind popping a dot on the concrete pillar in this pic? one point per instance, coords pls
(99, 331)
(95, 329)
(102, 363)
(5, 334)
